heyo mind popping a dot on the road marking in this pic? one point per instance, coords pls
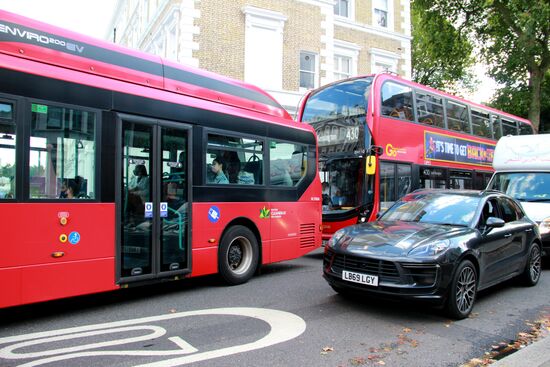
(284, 326)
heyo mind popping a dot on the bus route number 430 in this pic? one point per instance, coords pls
(360, 278)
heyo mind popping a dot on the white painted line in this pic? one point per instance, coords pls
(284, 326)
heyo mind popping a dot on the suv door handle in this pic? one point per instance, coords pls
(529, 230)
(507, 235)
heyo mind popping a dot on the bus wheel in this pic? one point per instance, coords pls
(238, 255)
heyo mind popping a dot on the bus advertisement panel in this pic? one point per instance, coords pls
(119, 168)
(381, 136)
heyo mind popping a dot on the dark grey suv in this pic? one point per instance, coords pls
(438, 245)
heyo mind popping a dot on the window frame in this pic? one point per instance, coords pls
(18, 122)
(315, 71)
(27, 148)
(390, 14)
(351, 9)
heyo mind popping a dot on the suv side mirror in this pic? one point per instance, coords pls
(493, 222)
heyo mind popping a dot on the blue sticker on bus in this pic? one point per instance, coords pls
(213, 214)
(74, 238)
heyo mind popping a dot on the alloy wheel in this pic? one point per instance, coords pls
(535, 264)
(465, 289)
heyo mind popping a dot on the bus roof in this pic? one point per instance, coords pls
(522, 153)
(378, 79)
(27, 38)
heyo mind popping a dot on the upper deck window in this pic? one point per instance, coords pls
(397, 101)
(481, 124)
(457, 117)
(429, 109)
(509, 127)
(497, 132)
(62, 156)
(525, 128)
(339, 101)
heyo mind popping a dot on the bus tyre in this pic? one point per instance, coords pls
(238, 255)
(533, 268)
(462, 291)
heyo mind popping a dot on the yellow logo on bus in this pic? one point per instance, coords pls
(392, 151)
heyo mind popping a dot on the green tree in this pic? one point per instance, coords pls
(441, 55)
(513, 37)
(515, 100)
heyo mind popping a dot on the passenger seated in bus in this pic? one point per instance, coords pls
(217, 169)
(139, 184)
(69, 189)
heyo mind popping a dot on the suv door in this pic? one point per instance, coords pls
(517, 229)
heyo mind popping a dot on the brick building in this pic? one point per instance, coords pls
(283, 46)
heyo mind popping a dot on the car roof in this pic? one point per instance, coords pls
(468, 193)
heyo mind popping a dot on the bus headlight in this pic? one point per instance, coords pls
(336, 237)
(544, 226)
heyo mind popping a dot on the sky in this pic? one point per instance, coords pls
(89, 17)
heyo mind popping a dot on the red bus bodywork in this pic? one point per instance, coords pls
(37, 265)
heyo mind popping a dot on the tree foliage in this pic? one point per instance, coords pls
(441, 56)
(513, 37)
(515, 100)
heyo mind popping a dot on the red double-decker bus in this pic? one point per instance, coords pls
(119, 168)
(381, 136)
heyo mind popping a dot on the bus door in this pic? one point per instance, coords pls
(153, 199)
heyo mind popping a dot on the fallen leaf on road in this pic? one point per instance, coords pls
(407, 330)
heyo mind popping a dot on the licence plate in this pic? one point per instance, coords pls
(360, 278)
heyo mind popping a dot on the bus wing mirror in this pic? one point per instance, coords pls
(376, 150)
(371, 165)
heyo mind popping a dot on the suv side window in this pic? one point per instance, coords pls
(508, 210)
(489, 210)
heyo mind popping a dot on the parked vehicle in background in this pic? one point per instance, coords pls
(437, 245)
(522, 170)
(381, 136)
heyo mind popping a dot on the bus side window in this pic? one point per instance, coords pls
(397, 101)
(7, 150)
(62, 151)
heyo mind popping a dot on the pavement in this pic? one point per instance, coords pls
(536, 354)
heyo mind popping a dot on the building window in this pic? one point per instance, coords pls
(308, 70)
(382, 13)
(342, 67)
(383, 61)
(342, 8)
(264, 47)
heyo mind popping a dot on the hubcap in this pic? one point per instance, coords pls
(465, 289)
(535, 264)
(239, 255)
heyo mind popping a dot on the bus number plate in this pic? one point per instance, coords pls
(360, 278)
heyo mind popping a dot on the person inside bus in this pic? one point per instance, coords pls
(217, 168)
(338, 199)
(139, 184)
(69, 189)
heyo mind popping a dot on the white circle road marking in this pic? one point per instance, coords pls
(284, 326)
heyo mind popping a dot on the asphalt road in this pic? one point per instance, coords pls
(286, 316)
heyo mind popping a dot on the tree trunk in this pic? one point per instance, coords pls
(535, 81)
